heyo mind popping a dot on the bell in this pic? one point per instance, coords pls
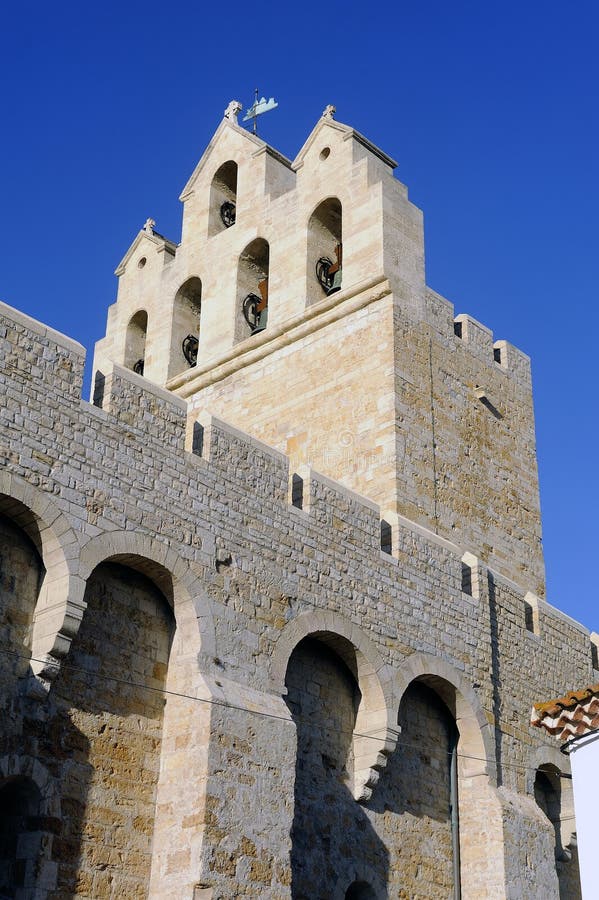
(336, 285)
(261, 321)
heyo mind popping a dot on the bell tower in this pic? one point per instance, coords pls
(295, 307)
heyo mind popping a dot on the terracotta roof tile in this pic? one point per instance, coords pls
(573, 715)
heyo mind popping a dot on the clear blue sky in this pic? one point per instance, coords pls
(490, 108)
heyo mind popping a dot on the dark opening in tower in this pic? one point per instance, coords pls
(324, 250)
(135, 342)
(185, 333)
(223, 198)
(252, 289)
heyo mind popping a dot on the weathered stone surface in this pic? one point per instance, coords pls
(214, 682)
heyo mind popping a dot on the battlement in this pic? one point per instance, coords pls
(40, 357)
(154, 544)
(477, 338)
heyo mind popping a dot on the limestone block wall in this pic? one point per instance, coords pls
(325, 399)
(274, 203)
(466, 452)
(244, 577)
(432, 425)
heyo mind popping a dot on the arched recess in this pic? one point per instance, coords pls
(375, 726)
(251, 314)
(223, 198)
(185, 330)
(550, 782)
(324, 255)
(329, 705)
(113, 685)
(29, 817)
(58, 609)
(169, 572)
(360, 890)
(22, 576)
(135, 342)
(185, 722)
(473, 856)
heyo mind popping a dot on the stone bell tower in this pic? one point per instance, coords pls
(295, 307)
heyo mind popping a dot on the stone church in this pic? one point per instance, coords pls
(272, 602)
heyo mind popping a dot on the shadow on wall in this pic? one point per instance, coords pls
(414, 797)
(30, 822)
(113, 754)
(335, 850)
(79, 766)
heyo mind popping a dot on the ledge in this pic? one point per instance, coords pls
(257, 347)
(45, 331)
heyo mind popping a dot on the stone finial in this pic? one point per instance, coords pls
(329, 111)
(149, 226)
(233, 110)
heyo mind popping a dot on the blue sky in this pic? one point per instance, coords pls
(490, 109)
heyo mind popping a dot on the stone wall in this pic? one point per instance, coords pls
(246, 577)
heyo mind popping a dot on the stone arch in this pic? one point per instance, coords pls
(24, 778)
(545, 756)
(324, 242)
(376, 728)
(548, 781)
(361, 889)
(185, 326)
(251, 305)
(135, 341)
(58, 609)
(18, 765)
(166, 568)
(476, 735)
(223, 198)
(475, 773)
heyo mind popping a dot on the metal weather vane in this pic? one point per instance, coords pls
(258, 107)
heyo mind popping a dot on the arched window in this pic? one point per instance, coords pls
(20, 837)
(325, 250)
(223, 198)
(185, 332)
(252, 289)
(135, 344)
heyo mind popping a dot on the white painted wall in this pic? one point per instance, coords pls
(584, 759)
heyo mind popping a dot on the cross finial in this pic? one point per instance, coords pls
(149, 226)
(329, 111)
(233, 110)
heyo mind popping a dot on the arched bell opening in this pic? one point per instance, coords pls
(325, 251)
(223, 198)
(185, 333)
(251, 316)
(553, 794)
(135, 342)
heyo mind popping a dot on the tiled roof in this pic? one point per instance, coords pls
(573, 715)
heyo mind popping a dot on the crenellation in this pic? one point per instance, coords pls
(259, 603)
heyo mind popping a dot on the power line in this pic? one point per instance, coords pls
(238, 708)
